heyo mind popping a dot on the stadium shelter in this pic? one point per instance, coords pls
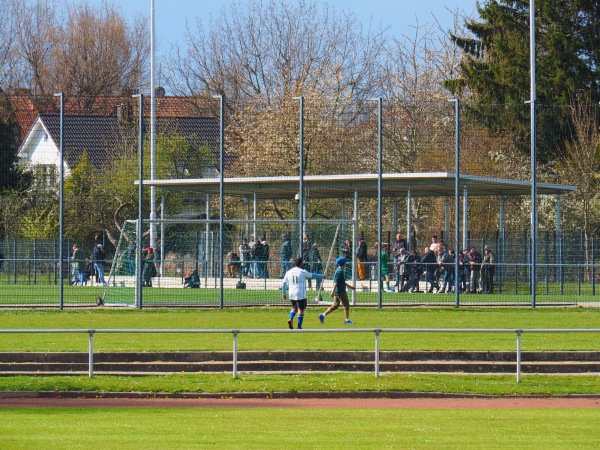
(356, 186)
(394, 185)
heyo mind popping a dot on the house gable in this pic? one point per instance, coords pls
(99, 136)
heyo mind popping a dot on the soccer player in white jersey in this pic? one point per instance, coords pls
(295, 279)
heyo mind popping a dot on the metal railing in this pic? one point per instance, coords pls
(235, 333)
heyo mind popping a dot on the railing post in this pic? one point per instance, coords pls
(519, 355)
(235, 346)
(377, 353)
(91, 354)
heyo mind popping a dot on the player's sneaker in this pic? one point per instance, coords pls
(322, 318)
(299, 328)
(348, 322)
(291, 324)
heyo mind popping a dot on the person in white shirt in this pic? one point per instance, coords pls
(435, 243)
(295, 280)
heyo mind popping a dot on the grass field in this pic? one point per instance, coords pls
(267, 428)
(263, 317)
(47, 295)
(221, 428)
(276, 318)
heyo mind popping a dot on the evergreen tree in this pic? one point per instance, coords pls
(496, 66)
(9, 145)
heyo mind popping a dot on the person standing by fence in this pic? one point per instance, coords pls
(157, 256)
(487, 271)
(475, 261)
(98, 259)
(361, 258)
(79, 262)
(285, 254)
(245, 257)
(316, 265)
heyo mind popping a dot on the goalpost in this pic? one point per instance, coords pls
(120, 289)
(184, 254)
(318, 298)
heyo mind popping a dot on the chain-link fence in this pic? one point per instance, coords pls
(262, 143)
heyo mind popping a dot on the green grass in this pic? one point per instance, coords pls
(48, 295)
(267, 428)
(327, 382)
(251, 318)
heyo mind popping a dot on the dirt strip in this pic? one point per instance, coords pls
(363, 403)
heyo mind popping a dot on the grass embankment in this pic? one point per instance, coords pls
(254, 318)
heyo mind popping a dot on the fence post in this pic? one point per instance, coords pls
(235, 346)
(34, 261)
(579, 270)
(547, 261)
(377, 353)
(593, 269)
(15, 261)
(91, 354)
(519, 355)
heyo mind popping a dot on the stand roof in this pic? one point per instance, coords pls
(433, 184)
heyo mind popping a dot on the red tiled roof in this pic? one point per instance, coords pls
(27, 107)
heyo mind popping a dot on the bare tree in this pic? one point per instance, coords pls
(35, 33)
(581, 163)
(419, 117)
(98, 53)
(7, 45)
(89, 51)
(275, 49)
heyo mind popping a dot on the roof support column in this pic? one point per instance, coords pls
(255, 216)
(162, 233)
(394, 218)
(502, 244)
(559, 241)
(207, 240)
(465, 219)
(409, 242)
(247, 201)
(354, 240)
(446, 219)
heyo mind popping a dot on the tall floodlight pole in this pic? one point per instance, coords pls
(152, 128)
(379, 197)
(456, 196)
(221, 193)
(532, 100)
(139, 229)
(301, 204)
(61, 207)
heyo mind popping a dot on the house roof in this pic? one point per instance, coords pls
(100, 135)
(27, 107)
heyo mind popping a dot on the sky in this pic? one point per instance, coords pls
(400, 16)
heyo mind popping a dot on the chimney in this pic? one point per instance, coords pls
(124, 113)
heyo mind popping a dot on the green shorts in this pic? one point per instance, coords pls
(341, 298)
